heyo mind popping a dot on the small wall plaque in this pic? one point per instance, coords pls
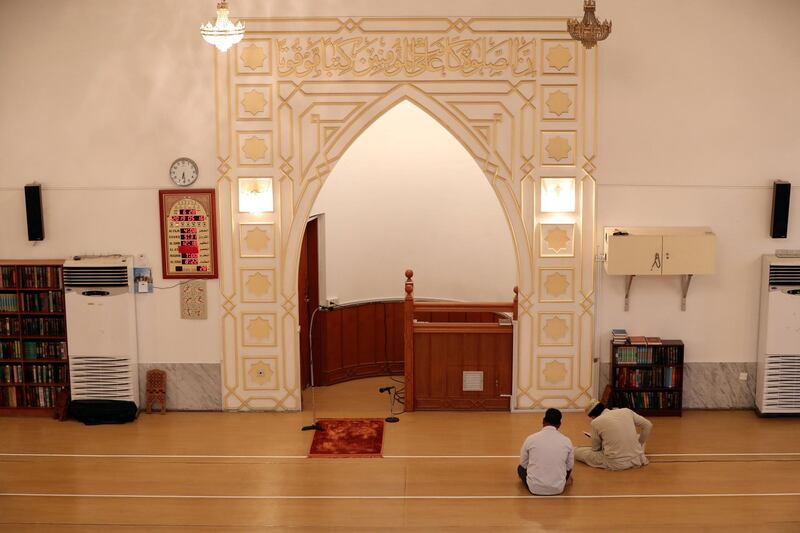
(194, 304)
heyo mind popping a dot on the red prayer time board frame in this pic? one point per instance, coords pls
(188, 233)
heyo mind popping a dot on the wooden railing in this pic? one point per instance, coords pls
(412, 309)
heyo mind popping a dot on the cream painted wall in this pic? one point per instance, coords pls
(695, 124)
(698, 115)
(97, 115)
(406, 194)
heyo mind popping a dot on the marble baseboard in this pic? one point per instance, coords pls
(190, 386)
(710, 385)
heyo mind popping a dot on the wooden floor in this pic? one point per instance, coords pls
(723, 470)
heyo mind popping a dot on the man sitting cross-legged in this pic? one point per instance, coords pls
(546, 459)
(615, 443)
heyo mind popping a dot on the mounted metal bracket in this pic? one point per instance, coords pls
(686, 279)
(628, 281)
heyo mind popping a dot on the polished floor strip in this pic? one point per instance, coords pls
(178, 456)
(403, 497)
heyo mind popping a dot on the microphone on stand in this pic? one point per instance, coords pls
(391, 418)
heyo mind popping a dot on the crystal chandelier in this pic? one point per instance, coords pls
(589, 30)
(223, 33)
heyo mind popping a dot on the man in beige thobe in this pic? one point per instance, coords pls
(615, 442)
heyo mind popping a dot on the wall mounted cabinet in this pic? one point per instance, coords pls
(659, 251)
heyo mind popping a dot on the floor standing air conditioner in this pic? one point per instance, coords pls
(101, 327)
(778, 383)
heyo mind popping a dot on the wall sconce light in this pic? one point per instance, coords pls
(255, 195)
(558, 195)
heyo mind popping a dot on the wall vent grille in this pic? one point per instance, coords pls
(784, 274)
(108, 276)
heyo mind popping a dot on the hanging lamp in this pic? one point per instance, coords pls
(223, 33)
(589, 30)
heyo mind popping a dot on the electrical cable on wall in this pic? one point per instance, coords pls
(315, 425)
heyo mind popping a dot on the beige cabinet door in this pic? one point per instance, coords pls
(638, 255)
(689, 253)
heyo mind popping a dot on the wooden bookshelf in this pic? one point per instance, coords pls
(34, 363)
(648, 378)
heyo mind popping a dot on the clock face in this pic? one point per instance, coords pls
(183, 172)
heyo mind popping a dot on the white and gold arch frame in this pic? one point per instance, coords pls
(518, 94)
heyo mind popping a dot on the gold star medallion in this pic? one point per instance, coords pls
(559, 57)
(255, 148)
(257, 239)
(258, 284)
(555, 328)
(557, 239)
(555, 372)
(558, 148)
(253, 57)
(558, 102)
(261, 373)
(556, 284)
(260, 329)
(254, 102)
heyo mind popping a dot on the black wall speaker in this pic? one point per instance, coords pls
(33, 209)
(780, 209)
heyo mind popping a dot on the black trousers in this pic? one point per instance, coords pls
(522, 472)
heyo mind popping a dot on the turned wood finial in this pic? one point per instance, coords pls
(409, 284)
(516, 301)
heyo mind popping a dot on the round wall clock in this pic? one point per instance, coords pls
(183, 172)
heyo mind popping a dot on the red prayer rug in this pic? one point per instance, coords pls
(348, 437)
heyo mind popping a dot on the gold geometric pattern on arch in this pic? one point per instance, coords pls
(259, 329)
(258, 284)
(254, 148)
(486, 80)
(257, 240)
(558, 148)
(254, 57)
(558, 240)
(254, 102)
(554, 371)
(556, 285)
(556, 329)
(559, 57)
(260, 373)
(558, 103)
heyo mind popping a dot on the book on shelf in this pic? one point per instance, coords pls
(619, 336)
(33, 343)
(638, 339)
(653, 341)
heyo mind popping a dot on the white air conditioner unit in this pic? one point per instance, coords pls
(101, 328)
(778, 383)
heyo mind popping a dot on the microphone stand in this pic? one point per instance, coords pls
(391, 418)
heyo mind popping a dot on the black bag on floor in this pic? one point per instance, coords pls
(93, 412)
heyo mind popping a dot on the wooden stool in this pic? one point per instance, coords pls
(156, 390)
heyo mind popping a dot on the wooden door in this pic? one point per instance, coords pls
(308, 301)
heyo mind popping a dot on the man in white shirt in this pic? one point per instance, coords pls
(546, 459)
(615, 442)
